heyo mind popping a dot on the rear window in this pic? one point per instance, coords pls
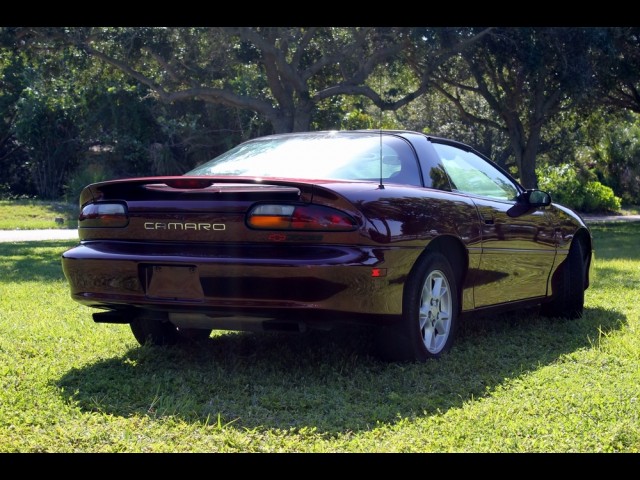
(316, 156)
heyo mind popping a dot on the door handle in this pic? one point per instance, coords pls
(488, 219)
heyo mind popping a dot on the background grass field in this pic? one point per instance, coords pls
(34, 215)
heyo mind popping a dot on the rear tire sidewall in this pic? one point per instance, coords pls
(152, 331)
(568, 301)
(404, 341)
(433, 262)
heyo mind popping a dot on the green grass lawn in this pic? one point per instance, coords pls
(36, 214)
(512, 383)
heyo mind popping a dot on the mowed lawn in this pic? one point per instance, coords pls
(512, 383)
(27, 214)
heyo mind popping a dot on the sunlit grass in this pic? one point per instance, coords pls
(630, 210)
(35, 214)
(512, 383)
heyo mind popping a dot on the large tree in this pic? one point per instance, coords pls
(526, 76)
(619, 58)
(280, 73)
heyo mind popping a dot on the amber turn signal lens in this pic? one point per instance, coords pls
(299, 217)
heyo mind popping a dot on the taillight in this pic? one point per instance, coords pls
(103, 215)
(299, 217)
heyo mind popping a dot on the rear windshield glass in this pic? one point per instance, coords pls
(314, 156)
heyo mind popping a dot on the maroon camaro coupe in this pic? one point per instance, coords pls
(393, 230)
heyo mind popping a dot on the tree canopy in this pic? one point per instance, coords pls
(161, 99)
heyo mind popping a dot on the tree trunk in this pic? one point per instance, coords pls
(294, 119)
(528, 175)
(302, 117)
(525, 148)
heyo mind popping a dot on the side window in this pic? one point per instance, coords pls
(394, 161)
(400, 166)
(471, 174)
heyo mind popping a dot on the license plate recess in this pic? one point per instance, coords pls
(171, 282)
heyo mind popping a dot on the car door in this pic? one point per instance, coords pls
(518, 249)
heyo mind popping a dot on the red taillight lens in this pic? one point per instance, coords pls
(299, 217)
(105, 215)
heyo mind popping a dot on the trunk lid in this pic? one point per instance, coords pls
(187, 209)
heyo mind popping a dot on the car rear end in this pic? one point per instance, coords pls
(228, 253)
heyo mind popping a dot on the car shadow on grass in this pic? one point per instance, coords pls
(330, 381)
(33, 260)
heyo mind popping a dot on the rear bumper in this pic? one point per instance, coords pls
(318, 283)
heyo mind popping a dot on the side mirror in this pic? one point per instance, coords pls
(528, 200)
(537, 198)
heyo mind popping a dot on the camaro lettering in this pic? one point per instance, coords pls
(184, 226)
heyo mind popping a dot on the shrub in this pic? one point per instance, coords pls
(567, 187)
(562, 183)
(599, 197)
(86, 174)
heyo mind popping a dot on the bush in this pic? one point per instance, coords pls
(599, 197)
(89, 173)
(49, 134)
(568, 188)
(562, 183)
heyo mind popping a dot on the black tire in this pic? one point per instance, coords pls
(569, 283)
(430, 314)
(154, 330)
(150, 330)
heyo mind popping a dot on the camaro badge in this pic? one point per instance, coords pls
(184, 226)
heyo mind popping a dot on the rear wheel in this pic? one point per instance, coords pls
(430, 313)
(152, 330)
(568, 300)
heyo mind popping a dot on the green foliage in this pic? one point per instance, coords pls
(618, 153)
(49, 133)
(576, 191)
(618, 57)
(59, 105)
(600, 198)
(138, 135)
(8, 192)
(431, 114)
(58, 101)
(357, 119)
(46, 125)
(562, 183)
(84, 175)
(15, 175)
